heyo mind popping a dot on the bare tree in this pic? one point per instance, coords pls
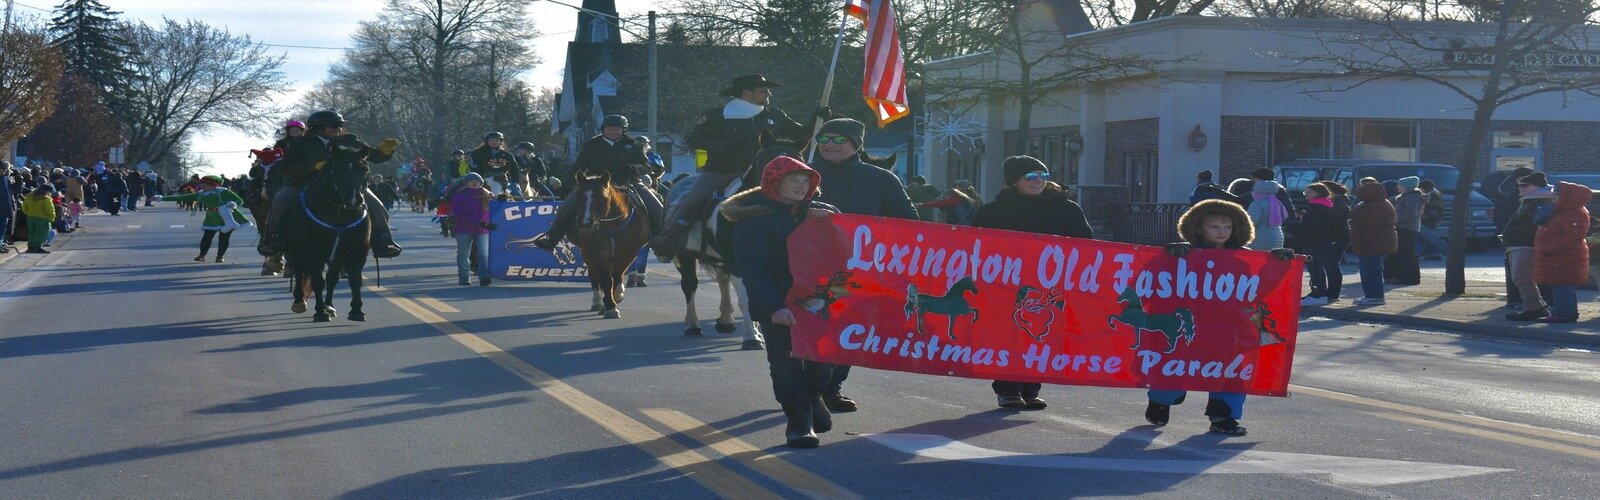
(81, 130)
(1516, 55)
(1033, 58)
(30, 75)
(195, 78)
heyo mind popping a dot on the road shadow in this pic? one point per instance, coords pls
(622, 471)
(430, 384)
(86, 340)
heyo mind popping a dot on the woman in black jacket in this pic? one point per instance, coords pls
(1030, 203)
(1315, 236)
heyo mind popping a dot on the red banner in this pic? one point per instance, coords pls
(1001, 305)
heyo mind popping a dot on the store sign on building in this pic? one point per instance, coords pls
(1557, 60)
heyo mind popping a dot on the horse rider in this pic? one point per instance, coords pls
(533, 170)
(614, 152)
(726, 134)
(491, 159)
(303, 157)
(457, 167)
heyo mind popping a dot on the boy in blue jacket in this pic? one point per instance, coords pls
(765, 217)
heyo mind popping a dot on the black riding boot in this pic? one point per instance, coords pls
(798, 432)
(652, 209)
(821, 419)
(559, 227)
(383, 245)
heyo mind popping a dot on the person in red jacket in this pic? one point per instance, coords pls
(1560, 255)
(1372, 236)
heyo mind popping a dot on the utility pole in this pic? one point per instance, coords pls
(653, 103)
(9, 6)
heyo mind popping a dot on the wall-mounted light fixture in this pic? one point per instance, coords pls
(1197, 139)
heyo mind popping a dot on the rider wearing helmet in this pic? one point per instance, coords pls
(303, 157)
(532, 169)
(457, 166)
(491, 159)
(265, 184)
(613, 152)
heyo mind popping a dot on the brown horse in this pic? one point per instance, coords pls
(609, 236)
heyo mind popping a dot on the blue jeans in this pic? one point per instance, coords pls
(1234, 400)
(1372, 275)
(5, 228)
(1565, 304)
(1430, 243)
(463, 246)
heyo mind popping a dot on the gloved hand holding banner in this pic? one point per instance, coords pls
(1002, 305)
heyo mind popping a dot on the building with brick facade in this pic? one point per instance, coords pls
(1132, 140)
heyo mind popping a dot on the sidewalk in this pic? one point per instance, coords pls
(1479, 311)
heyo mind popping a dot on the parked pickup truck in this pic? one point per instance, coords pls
(1296, 174)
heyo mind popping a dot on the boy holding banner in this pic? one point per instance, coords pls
(1210, 224)
(765, 217)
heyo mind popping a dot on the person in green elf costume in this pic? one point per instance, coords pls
(215, 200)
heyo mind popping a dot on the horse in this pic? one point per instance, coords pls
(417, 193)
(950, 305)
(1175, 326)
(259, 202)
(331, 232)
(609, 237)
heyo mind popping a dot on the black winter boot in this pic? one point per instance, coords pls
(821, 418)
(798, 432)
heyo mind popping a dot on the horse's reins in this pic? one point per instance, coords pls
(338, 232)
(611, 234)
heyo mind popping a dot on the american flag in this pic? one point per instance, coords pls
(884, 87)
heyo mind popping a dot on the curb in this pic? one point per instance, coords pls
(1472, 329)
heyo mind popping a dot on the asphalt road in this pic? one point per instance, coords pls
(129, 371)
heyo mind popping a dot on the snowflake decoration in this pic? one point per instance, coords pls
(958, 133)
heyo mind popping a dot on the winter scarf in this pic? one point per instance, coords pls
(1326, 202)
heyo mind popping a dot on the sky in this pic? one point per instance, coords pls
(322, 23)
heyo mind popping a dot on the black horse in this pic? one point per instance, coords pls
(330, 232)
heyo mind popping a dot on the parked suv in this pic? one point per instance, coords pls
(1295, 175)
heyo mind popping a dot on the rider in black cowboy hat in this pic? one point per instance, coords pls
(617, 154)
(725, 132)
(302, 158)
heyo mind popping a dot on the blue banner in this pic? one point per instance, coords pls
(512, 255)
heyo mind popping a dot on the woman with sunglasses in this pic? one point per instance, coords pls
(1031, 203)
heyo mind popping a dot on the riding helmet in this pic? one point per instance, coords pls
(525, 145)
(294, 124)
(494, 135)
(325, 118)
(614, 121)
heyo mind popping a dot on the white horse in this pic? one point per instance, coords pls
(702, 253)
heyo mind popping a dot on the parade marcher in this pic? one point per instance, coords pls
(730, 136)
(1030, 203)
(1372, 238)
(112, 187)
(533, 171)
(765, 217)
(1403, 267)
(617, 154)
(457, 167)
(221, 206)
(302, 159)
(1209, 224)
(1560, 254)
(920, 192)
(491, 159)
(40, 206)
(958, 205)
(859, 189)
(469, 212)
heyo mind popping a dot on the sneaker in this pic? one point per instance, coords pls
(1011, 401)
(1527, 315)
(1227, 427)
(1333, 300)
(1556, 319)
(201, 258)
(1034, 403)
(1369, 301)
(1313, 301)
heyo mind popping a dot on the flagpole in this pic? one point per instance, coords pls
(827, 84)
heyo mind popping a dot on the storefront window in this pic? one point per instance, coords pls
(1300, 139)
(1392, 140)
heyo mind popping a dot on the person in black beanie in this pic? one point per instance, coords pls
(854, 188)
(1031, 203)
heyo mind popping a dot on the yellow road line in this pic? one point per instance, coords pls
(436, 304)
(767, 464)
(1490, 434)
(721, 480)
(1500, 426)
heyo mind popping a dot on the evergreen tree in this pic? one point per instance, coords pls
(90, 38)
